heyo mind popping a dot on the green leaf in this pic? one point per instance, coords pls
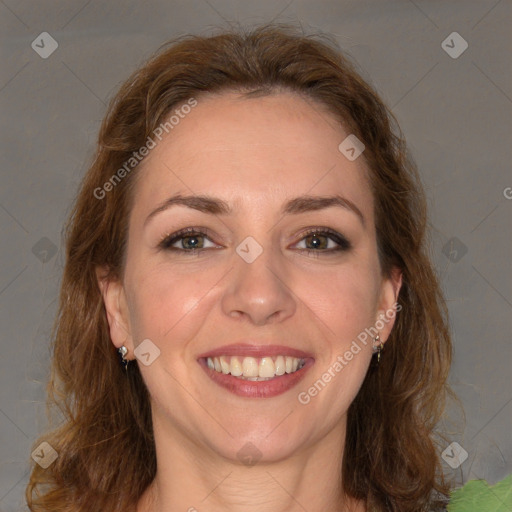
(478, 496)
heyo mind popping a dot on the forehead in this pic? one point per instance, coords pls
(251, 150)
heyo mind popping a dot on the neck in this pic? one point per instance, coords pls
(191, 478)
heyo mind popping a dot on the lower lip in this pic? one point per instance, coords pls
(258, 389)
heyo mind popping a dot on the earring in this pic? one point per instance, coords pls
(377, 347)
(122, 353)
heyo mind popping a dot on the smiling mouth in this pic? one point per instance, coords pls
(255, 368)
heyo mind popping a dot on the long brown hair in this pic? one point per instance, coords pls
(106, 453)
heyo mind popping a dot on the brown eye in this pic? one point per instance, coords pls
(187, 240)
(192, 242)
(325, 241)
(317, 241)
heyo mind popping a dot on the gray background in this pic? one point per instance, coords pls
(455, 113)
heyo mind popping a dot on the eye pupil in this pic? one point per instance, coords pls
(316, 242)
(191, 242)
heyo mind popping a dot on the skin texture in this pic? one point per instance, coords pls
(255, 154)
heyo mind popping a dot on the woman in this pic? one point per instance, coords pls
(250, 239)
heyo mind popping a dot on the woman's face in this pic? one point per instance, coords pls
(250, 288)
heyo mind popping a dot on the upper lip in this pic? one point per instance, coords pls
(252, 350)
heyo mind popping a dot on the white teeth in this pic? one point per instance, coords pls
(254, 369)
(280, 365)
(266, 367)
(250, 367)
(235, 367)
(224, 364)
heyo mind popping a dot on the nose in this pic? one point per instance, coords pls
(259, 291)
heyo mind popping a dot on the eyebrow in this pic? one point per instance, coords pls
(297, 205)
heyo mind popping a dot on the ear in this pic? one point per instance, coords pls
(388, 306)
(114, 298)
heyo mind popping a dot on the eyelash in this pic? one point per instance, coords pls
(191, 232)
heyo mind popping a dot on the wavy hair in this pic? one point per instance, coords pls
(106, 453)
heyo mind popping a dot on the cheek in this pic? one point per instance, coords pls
(344, 304)
(344, 299)
(164, 302)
